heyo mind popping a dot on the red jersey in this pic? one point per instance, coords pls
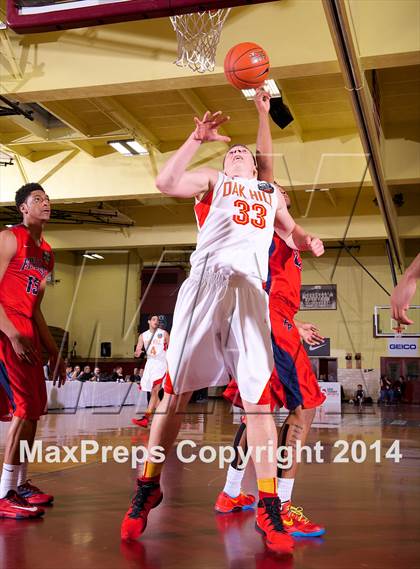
(30, 265)
(284, 273)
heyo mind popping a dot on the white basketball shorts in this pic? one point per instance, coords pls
(221, 328)
(154, 373)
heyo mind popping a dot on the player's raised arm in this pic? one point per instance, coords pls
(293, 234)
(404, 292)
(264, 150)
(173, 179)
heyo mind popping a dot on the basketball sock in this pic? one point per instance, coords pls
(267, 488)
(22, 473)
(285, 489)
(151, 471)
(9, 477)
(233, 482)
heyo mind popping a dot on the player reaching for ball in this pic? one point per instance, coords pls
(293, 382)
(220, 324)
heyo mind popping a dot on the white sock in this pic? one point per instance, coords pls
(9, 478)
(233, 482)
(22, 473)
(285, 488)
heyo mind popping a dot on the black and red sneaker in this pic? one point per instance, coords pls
(269, 523)
(147, 497)
(15, 507)
(34, 495)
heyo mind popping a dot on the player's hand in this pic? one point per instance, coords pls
(401, 298)
(206, 128)
(315, 245)
(24, 349)
(262, 101)
(57, 369)
(310, 334)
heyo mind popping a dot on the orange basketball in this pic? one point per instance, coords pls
(246, 65)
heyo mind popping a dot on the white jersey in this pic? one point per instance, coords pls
(155, 344)
(235, 228)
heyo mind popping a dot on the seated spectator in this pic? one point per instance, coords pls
(135, 377)
(86, 375)
(96, 375)
(359, 395)
(69, 373)
(76, 372)
(118, 375)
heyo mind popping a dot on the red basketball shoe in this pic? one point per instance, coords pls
(15, 507)
(297, 524)
(269, 523)
(147, 497)
(34, 495)
(226, 504)
(144, 422)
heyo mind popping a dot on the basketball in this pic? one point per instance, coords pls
(246, 65)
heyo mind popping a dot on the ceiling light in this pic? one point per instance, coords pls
(87, 256)
(97, 256)
(310, 190)
(270, 86)
(9, 225)
(129, 147)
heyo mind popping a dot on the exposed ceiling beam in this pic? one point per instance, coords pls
(114, 109)
(66, 116)
(363, 110)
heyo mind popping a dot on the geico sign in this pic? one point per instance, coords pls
(402, 346)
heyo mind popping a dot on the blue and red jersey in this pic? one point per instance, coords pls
(284, 274)
(30, 265)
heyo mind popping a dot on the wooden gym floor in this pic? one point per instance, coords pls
(371, 511)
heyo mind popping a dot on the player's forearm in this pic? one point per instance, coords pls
(6, 326)
(413, 271)
(298, 239)
(264, 149)
(169, 177)
(44, 333)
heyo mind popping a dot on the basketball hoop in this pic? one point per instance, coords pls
(398, 330)
(198, 36)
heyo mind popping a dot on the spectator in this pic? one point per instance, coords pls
(397, 389)
(86, 375)
(135, 377)
(96, 375)
(118, 375)
(359, 396)
(76, 372)
(386, 391)
(69, 373)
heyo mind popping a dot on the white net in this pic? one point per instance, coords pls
(198, 35)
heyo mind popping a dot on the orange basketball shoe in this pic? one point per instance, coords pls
(269, 523)
(297, 524)
(225, 504)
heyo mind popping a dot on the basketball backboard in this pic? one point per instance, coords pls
(32, 16)
(384, 326)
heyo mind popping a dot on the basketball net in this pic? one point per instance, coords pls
(398, 330)
(198, 35)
